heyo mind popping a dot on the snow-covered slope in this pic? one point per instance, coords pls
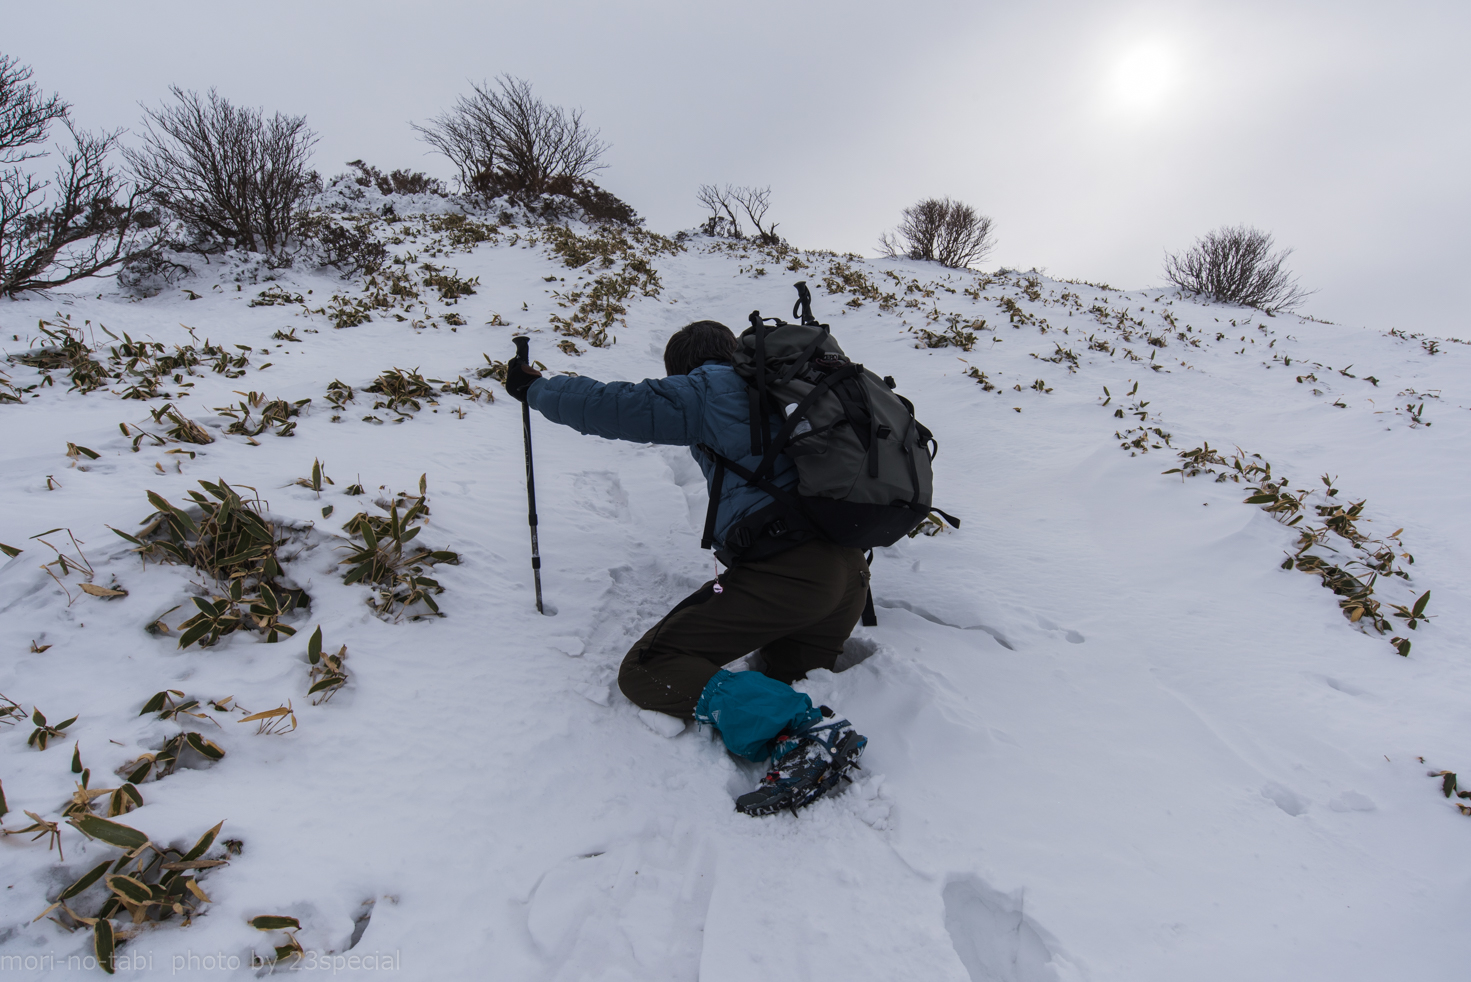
(1110, 737)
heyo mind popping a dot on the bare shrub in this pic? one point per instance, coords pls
(396, 182)
(727, 204)
(506, 136)
(350, 246)
(723, 219)
(1235, 264)
(950, 233)
(228, 173)
(89, 222)
(563, 197)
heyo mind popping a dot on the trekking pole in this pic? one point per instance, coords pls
(523, 345)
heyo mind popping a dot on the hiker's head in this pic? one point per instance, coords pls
(694, 344)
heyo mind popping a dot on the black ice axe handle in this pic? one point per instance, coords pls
(523, 357)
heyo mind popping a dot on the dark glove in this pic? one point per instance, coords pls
(519, 377)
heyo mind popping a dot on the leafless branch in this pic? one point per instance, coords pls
(25, 113)
(756, 202)
(506, 139)
(721, 202)
(96, 221)
(727, 204)
(950, 233)
(1235, 265)
(227, 172)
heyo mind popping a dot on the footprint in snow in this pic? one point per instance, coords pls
(996, 940)
(635, 910)
(601, 493)
(1284, 798)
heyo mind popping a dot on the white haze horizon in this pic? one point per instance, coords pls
(1099, 136)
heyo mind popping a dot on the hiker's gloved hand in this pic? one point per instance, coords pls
(519, 377)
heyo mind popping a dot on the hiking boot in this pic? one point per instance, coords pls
(806, 765)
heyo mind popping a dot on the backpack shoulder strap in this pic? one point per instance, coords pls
(708, 539)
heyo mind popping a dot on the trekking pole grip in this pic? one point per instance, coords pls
(523, 348)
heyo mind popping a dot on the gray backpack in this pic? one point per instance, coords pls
(863, 460)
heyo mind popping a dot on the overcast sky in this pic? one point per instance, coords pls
(1098, 135)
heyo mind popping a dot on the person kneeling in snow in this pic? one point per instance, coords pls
(794, 599)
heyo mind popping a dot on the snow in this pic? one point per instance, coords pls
(1110, 738)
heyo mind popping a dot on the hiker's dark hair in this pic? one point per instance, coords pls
(694, 344)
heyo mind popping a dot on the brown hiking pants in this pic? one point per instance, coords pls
(797, 608)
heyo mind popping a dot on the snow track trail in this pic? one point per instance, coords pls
(1110, 737)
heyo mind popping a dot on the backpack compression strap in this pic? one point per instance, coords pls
(768, 462)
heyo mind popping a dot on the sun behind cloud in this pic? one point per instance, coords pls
(1143, 77)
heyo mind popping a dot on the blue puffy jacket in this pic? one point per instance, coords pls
(710, 405)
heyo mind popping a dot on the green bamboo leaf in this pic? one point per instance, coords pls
(4, 808)
(1419, 609)
(130, 889)
(102, 944)
(202, 846)
(10, 551)
(1261, 499)
(330, 682)
(113, 833)
(62, 726)
(194, 633)
(275, 922)
(205, 747)
(314, 646)
(88, 878)
(154, 705)
(76, 758)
